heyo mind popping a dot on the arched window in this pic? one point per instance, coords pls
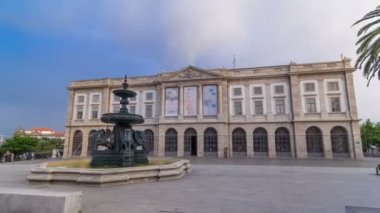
(339, 140)
(210, 138)
(314, 140)
(149, 140)
(282, 140)
(260, 140)
(171, 141)
(91, 141)
(77, 143)
(239, 142)
(190, 142)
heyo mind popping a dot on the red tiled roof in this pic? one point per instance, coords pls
(40, 129)
(58, 134)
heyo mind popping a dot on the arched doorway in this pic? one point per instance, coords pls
(91, 141)
(77, 143)
(260, 142)
(171, 142)
(239, 142)
(314, 142)
(282, 141)
(190, 142)
(339, 142)
(210, 139)
(149, 141)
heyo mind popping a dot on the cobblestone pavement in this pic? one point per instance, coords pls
(224, 186)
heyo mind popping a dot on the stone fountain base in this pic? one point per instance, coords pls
(109, 176)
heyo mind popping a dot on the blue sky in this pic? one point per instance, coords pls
(46, 44)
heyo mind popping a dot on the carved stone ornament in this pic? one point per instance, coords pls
(189, 74)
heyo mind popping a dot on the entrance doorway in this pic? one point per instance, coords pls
(193, 145)
(190, 142)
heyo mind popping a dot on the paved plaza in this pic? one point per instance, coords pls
(236, 186)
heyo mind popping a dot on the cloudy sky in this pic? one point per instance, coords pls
(46, 44)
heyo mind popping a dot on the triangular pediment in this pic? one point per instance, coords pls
(192, 72)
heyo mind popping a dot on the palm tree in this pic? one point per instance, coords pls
(369, 45)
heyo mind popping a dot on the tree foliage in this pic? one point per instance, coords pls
(369, 44)
(370, 133)
(19, 145)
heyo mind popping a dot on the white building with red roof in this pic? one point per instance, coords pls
(43, 132)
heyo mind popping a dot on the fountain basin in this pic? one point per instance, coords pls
(109, 176)
(122, 118)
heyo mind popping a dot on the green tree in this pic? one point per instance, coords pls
(369, 45)
(19, 145)
(370, 133)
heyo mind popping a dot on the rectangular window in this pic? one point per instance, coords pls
(335, 104)
(149, 111)
(190, 101)
(79, 112)
(80, 99)
(238, 107)
(309, 87)
(116, 98)
(237, 91)
(149, 96)
(95, 98)
(259, 108)
(115, 108)
(257, 90)
(279, 89)
(210, 100)
(132, 109)
(94, 112)
(131, 99)
(280, 106)
(171, 101)
(333, 86)
(311, 105)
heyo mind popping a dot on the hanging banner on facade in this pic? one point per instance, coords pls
(210, 100)
(171, 102)
(190, 101)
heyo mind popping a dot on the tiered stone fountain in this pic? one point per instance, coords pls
(125, 145)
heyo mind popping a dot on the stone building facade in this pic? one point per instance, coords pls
(295, 111)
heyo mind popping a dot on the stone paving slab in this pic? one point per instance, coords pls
(224, 188)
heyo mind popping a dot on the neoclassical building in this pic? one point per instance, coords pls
(295, 111)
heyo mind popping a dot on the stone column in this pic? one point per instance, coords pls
(322, 99)
(327, 147)
(250, 152)
(291, 139)
(161, 142)
(180, 104)
(84, 143)
(180, 145)
(200, 145)
(106, 100)
(268, 99)
(247, 98)
(296, 97)
(162, 114)
(200, 102)
(220, 102)
(300, 140)
(271, 144)
(68, 143)
(70, 111)
(355, 142)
